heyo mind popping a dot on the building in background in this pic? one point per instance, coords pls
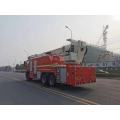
(100, 57)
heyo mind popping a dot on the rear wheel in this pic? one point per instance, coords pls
(51, 80)
(44, 79)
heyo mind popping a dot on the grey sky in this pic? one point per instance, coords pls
(25, 35)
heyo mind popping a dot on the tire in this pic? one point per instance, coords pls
(51, 80)
(44, 79)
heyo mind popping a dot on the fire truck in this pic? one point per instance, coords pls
(63, 65)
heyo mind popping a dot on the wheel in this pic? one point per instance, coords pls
(44, 79)
(51, 80)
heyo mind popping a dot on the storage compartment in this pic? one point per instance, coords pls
(77, 75)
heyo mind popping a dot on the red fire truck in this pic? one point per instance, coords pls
(57, 67)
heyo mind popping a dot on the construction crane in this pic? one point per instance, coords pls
(104, 37)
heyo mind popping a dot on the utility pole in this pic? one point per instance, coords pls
(69, 30)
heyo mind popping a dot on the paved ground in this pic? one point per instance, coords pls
(14, 90)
